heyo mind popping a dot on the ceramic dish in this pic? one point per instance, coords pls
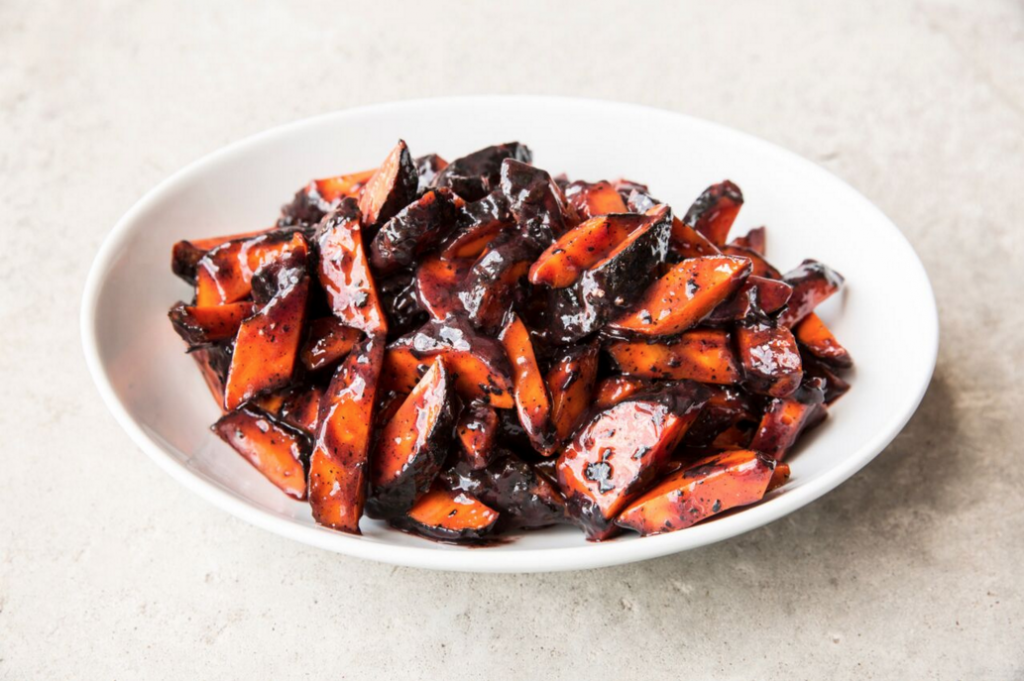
(886, 316)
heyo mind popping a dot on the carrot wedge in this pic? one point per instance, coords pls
(683, 297)
(812, 334)
(412, 445)
(704, 355)
(591, 199)
(478, 363)
(449, 516)
(533, 404)
(770, 357)
(621, 450)
(344, 271)
(714, 211)
(438, 282)
(328, 342)
(561, 264)
(571, 381)
(614, 389)
(224, 274)
(391, 188)
(813, 283)
(477, 432)
(756, 240)
(756, 293)
(186, 254)
(267, 344)
(413, 230)
(785, 419)
(199, 325)
(337, 471)
(280, 453)
(708, 487)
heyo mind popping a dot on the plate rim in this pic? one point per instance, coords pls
(431, 556)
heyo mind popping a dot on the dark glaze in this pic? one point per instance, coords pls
(535, 201)
(533, 403)
(224, 274)
(714, 211)
(478, 223)
(621, 450)
(213, 361)
(474, 176)
(185, 255)
(427, 168)
(785, 419)
(562, 263)
(416, 229)
(818, 340)
(525, 497)
(832, 384)
(613, 284)
(813, 282)
(399, 300)
(413, 445)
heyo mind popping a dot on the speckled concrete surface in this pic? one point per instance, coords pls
(110, 570)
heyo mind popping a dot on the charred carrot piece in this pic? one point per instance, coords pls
(756, 293)
(706, 488)
(714, 211)
(214, 361)
(278, 452)
(479, 363)
(812, 334)
(391, 188)
(581, 248)
(687, 242)
(413, 445)
(479, 223)
(769, 355)
(488, 287)
(337, 472)
(571, 381)
(593, 199)
(621, 450)
(267, 344)
(344, 271)
(333, 189)
(456, 517)
(725, 408)
(478, 432)
(199, 325)
(301, 408)
(759, 266)
(813, 283)
(780, 476)
(413, 231)
(329, 341)
(186, 254)
(683, 297)
(833, 386)
(533, 404)
(614, 389)
(756, 240)
(523, 494)
(704, 355)
(786, 419)
(224, 274)
(438, 282)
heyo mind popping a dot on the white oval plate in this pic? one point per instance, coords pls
(886, 317)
